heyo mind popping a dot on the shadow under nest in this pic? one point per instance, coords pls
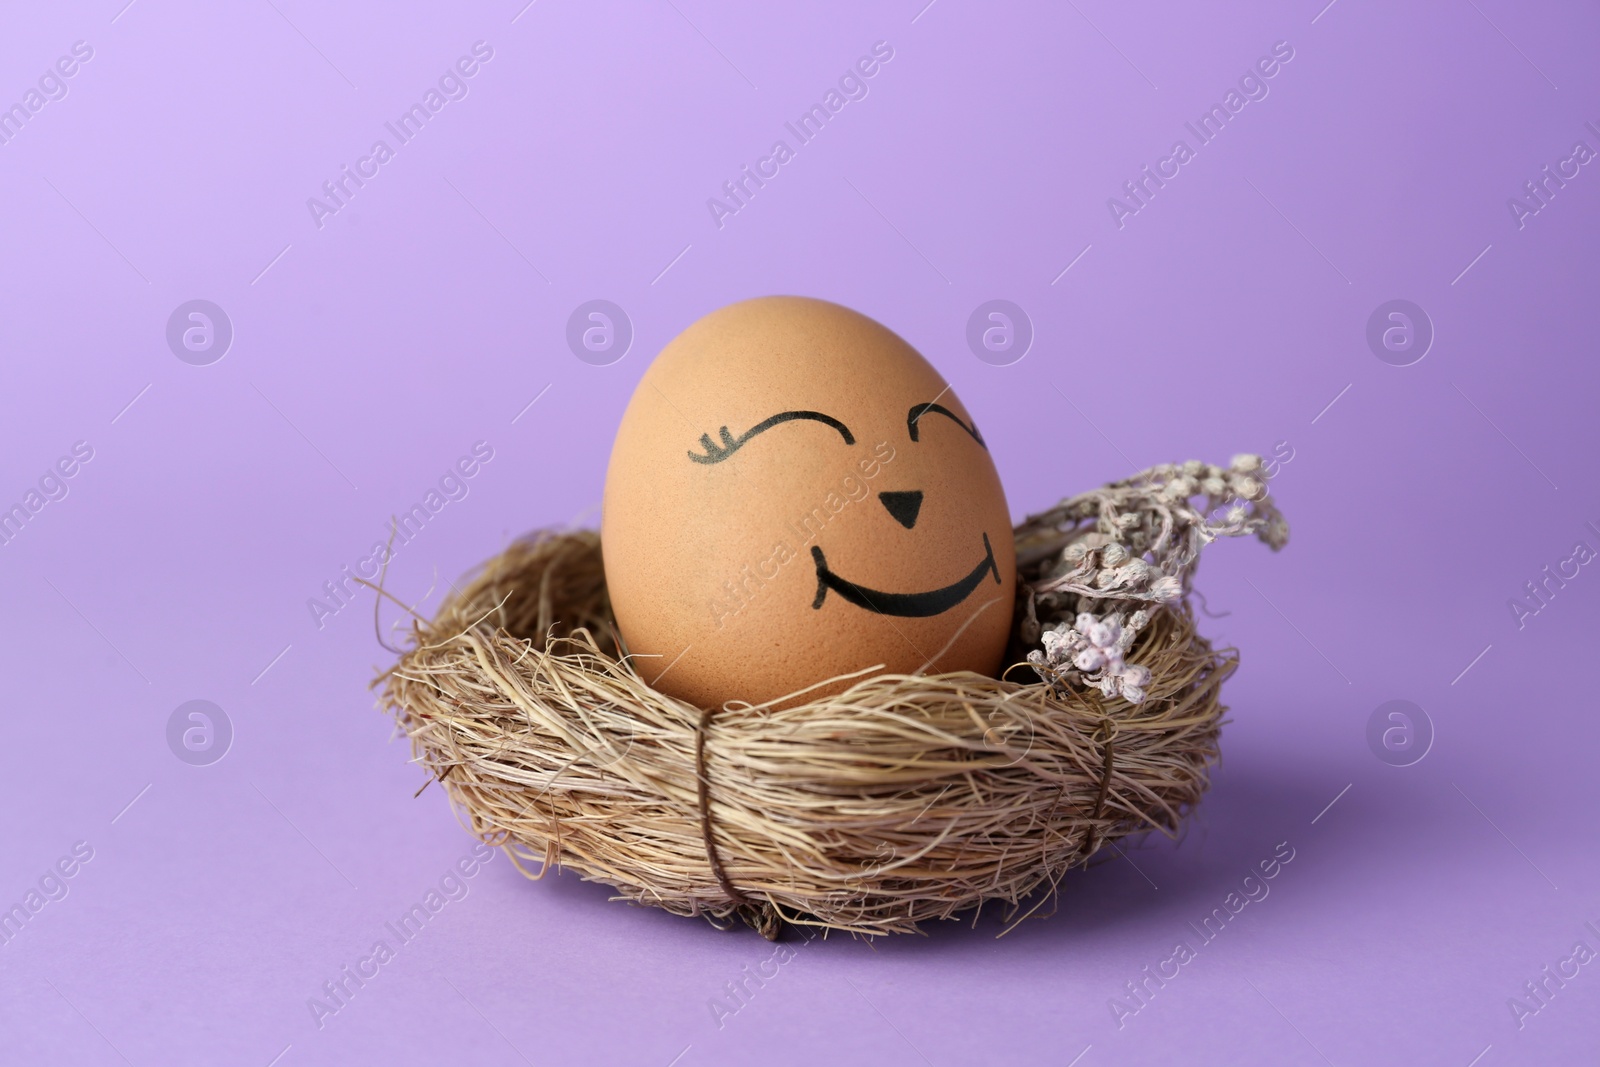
(902, 799)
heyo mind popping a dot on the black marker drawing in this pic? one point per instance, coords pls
(920, 410)
(716, 453)
(910, 605)
(904, 505)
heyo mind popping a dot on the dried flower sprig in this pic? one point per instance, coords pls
(1102, 559)
(1094, 648)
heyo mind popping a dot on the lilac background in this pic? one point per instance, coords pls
(427, 314)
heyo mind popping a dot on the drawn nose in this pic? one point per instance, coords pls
(903, 506)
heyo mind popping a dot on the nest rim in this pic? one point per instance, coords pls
(900, 800)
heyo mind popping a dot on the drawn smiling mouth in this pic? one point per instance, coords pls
(911, 605)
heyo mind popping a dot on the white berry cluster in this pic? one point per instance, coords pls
(1092, 650)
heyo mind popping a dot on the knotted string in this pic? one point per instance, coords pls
(762, 917)
(1106, 768)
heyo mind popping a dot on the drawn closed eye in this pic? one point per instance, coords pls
(919, 410)
(716, 453)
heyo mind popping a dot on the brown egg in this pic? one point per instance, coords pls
(795, 494)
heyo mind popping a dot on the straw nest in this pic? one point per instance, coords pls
(900, 800)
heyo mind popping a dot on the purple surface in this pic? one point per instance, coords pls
(1230, 311)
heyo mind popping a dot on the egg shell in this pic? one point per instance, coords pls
(745, 566)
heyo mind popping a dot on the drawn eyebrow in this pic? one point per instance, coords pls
(919, 410)
(716, 453)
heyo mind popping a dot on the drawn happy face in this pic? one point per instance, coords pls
(794, 494)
